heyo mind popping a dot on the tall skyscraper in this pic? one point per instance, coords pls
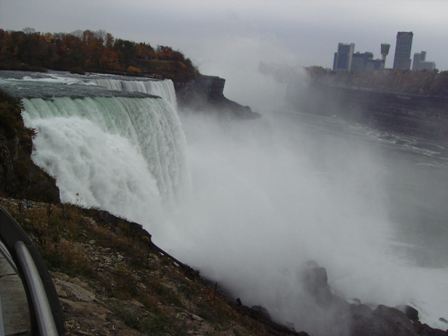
(343, 57)
(402, 59)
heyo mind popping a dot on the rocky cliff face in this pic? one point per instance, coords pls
(112, 280)
(19, 176)
(207, 93)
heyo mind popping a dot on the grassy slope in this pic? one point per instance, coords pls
(113, 281)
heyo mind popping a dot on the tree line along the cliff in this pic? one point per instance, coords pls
(88, 51)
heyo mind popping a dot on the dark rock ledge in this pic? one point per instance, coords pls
(364, 319)
(206, 93)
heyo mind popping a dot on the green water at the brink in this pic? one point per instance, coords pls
(47, 85)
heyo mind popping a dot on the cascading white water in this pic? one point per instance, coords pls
(161, 88)
(115, 153)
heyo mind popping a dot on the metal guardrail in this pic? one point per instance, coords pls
(43, 302)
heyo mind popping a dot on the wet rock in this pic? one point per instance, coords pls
(362, 319)
(315, 281)
(425, 330)
(382, 321)
(262, 312)
(410, 312)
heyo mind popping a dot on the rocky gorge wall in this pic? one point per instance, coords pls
(407, 114)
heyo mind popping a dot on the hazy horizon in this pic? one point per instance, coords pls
(229, 38)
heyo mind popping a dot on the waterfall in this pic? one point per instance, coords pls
(113, 142)
(118, 153)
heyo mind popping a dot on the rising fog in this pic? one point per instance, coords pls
(269, 195)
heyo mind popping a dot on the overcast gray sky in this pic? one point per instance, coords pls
(229, 37)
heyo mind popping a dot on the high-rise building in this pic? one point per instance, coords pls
(375, 65)
(343, 57)
(360, 61)
(365, 62)
(419, 58)
(420, 62)
(402, 59)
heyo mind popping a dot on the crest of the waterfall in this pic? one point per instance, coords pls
(162, 88)
(117, 153)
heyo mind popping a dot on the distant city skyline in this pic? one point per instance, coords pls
(346, 58)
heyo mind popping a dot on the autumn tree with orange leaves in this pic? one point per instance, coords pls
(89, 51)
